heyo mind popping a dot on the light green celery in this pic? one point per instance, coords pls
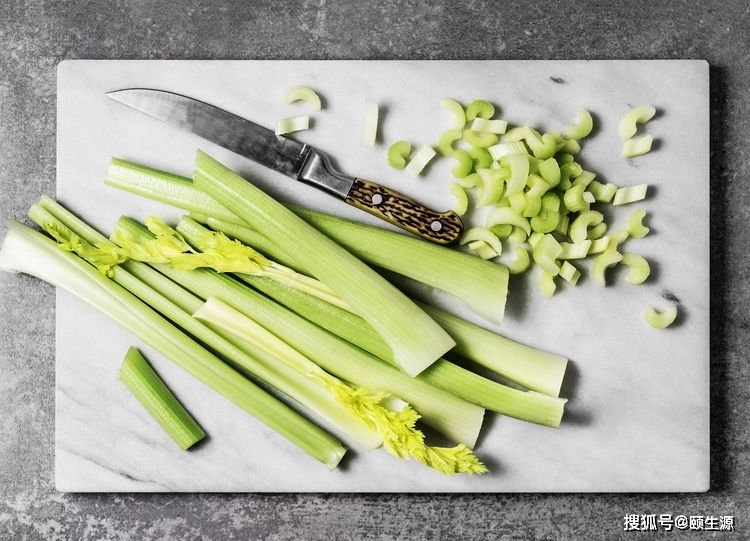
(396, 428)
(304, 94)
(30, 252)
(458, 115)
(483, 285)
(158, 400)
(464, 165)
(479, 139)
(630, 194)
(601, 263)
(636, 228)
(415, 339)
(482, 249)
(639, 268)
(547, 282)
(480, 284)
(637, 146)
(582, 128)
(660, 319)
(628, 125)
(521, 260)
(397, 154)
(419, 161)
(444, 144)
(479, 109)
(448, 414)
(164, 187)
(569, 273)
(485, 235)
(370, 124)
(177, 304)
(292, 124)
(495, 352)
(461, 205)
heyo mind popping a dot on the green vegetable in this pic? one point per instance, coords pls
(304, 94)
(370, 124)
(629, 123)
(583, 128)
(397, 154)
(480, 284)
(458, 116)
(292, 124)
(153, 394)
(396, 428)
(415, 339)
(660, 319)
(421, 158)
(25, 250)
(630, 194)
(637, 146)
(455, 418)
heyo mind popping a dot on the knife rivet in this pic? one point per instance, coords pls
(436, 226)
(377, 199)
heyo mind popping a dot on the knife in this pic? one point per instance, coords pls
(292, 158)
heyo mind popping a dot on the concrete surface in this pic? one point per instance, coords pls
(35, 36)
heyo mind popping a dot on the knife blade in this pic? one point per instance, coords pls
(297, 160)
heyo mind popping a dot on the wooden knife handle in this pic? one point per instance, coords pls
(402, 211)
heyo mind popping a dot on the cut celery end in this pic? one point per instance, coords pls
(630, 194)
(159, 401)
(292, 124)
(482, 285)
(637, 146)
(421, 158)
(415, 339)
(639, 269)
(458, 116)
(30, 252)
(583, 127)
(532, 368)
(397, 154)
(370, 124)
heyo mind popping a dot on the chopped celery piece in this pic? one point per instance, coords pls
(481, 284)
(479, 139)
(485, 235)
(637, 146)
(519, 172)
(576, 250)
(370, 124)
(421, 158)
(492, 185)
(472, 181)
(397, 154)
(582, 128)
(599, 245)
(601, 263)
(636, 229)
(506, 215)
(569, 273)
(630, 194)
(158, 400)
(585, 178)
(465, 164)
(446, 141)
(482, 249)
(549, 169)
(30, 252)
(396, 428)
(496, 125)
(481, 157)
(462, 200)
(574, 200)
(602, 192)
(628, 126)
(542, 146)
(292, 124)
(303, 94)
(660, 319)
(416, 340)
(546, 252)
(639, 268)
(598, 231)
(521, 260)
(507, 147)
(458, 116)
(547, 283)
(479, 109)
(579, 228)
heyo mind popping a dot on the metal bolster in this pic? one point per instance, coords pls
(318, 171)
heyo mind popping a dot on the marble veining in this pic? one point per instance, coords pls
(638, 411)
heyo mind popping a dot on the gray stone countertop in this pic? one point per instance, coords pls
(36, 35)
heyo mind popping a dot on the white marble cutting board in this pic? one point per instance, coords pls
(638, 415)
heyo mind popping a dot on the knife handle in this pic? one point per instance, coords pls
(402, 211)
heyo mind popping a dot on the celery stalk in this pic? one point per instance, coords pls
(456, 418)
(158, 400)
(177, 304)
(416, 340)
(481, 284)
(28, 251)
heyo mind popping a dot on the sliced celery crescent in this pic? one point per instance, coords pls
(416, 340)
